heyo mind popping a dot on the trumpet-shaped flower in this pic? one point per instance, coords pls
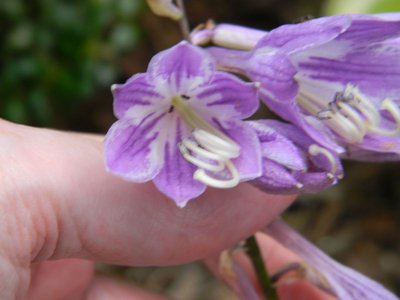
(180, 126)
(337, 78)
(292, 161)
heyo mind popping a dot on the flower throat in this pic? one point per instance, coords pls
(207, 148)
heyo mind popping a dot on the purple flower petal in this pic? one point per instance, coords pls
(132, 151)
(367, 29)
(360, 66)
(176, 176)
(292, 162)
(314, 182)
(223, 97)
(136, 98)
(184, 66)
(277, 147)
(346, 283)
(248, 163)
(276, 179)
(297, 37)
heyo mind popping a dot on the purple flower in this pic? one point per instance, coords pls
(337, 78)
(343, 282)
(292, 162)
(180, 126)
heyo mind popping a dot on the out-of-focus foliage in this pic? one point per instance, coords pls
(54, 53)
(334, 7)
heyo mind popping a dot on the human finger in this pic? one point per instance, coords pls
(84, 212)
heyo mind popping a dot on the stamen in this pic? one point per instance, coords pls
(350, 114)
(202, 176)
(210, 144)
(314, 150)
(363, 104)
(224, 148)
(200, 151)
(198, 162)
(394, 110)
(356, 118)
(336, 121)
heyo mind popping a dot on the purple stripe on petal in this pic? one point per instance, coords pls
(176, 177)
(361, 68)
(304, 35)
(367, 29)
(136, 92)
(131, 151)
(229, 96)
(180, 64)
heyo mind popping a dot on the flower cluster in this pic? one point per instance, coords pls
(334, 83)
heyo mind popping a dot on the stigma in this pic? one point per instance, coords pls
(208, 148)
(349, 113)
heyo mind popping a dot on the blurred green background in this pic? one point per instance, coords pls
(55, 54)
(59, 58)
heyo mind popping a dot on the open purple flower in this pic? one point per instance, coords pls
(180, 126)
(292, 161)
(337, 78)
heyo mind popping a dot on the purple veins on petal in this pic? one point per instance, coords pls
(176, 177)
(226, 92)
(135, 95)
(132, 151)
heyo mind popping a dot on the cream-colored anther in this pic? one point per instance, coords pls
(314, 150)
(299, 185)
(203, 177)
(394, 110)
(218, 167)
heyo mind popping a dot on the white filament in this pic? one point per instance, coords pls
(222, 147)
(200, 163)
(314, 150)
(202, 176)
(210, 150)
(351, 114)
(335, 120)
(394, 110)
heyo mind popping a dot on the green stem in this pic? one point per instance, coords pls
(183, 22)
(255, 256)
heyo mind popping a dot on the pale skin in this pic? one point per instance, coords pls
(60, 212)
